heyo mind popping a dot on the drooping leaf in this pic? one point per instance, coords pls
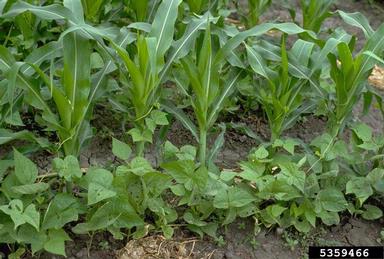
(332, 200)
(56, 241)
(121, 149)
(25, 170)
(372, 212)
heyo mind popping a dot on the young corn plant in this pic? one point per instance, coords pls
(212, 81)
(250, 13)
(256, 9)
(350, 73)
(93, 10)
(140, 8)
(284, 80)
(314, 13)
(64, 97)
(70, 94)
(148, 68)
(210, 87)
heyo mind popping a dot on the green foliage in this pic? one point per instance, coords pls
(281, 88)
(350, 74)
(256, 9)
(314, 13)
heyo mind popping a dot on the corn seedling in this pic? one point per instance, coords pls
(282, 85)
(314, 13)
(350, 73)
(256, 9)
(155, 54)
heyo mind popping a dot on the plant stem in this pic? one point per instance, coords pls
(69, 186)
(140, 124)
(140, 148)
(203, 147)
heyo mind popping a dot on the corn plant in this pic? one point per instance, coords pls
(148, 68)
(212, 82)
(250, 15)
(314, 13)
(15, 79)
(210, 88)
(72, 89)
(282, 86)
(93, 9)
(350, 73)
(256, 9)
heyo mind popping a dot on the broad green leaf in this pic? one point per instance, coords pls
(360, 187)
(99, 176)
(293, 175)
(192, 219)
(376, 179)
(19, 216)
(121, 149)
(233, 197)
(187, 152)
(25, 170)
(332, 200)
(372, 212)
(30, 188)
(110, 214)
(97, 193)
(280, 190)
(15, 211)
(183, 172)
(7, 136)
(329, 218)
(32, 216)
(68, 168)
(363, 131)
(159, 117)
(261, 153)
(4, 165)
(157, 182)
(56, 241)
(63, 208)
(271, 214)
(227, 176)
(178, 189)
(140, 166)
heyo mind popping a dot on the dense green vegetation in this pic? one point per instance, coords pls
(154, 62)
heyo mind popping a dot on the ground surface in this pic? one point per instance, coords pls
(239, 241)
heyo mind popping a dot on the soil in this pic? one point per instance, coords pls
(240, 242)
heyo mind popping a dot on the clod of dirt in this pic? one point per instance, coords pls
(159, 247)
(377, 78)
